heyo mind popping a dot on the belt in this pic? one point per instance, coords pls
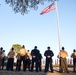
(22, 55)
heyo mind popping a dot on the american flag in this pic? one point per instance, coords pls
(49, 8)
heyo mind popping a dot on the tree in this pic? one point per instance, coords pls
(24, 6)
(16, 47)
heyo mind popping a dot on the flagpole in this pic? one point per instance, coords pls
(58, 26)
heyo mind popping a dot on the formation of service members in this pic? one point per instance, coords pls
(33, 60)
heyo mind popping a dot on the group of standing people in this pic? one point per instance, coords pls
(63, 60)
(35, 63)
(33, 59)
(25, 56)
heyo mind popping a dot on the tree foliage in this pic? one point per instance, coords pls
(16, 47)
(24, 6)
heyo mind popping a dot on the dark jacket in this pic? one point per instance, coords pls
(49, 53)
(35, 52)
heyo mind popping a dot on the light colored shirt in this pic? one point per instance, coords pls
(63, 54)
(3, 54)
(29, 54)
(18, 56)
(22, 52)
(11, 54)
(73, 55)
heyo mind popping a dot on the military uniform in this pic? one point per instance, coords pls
(39, 61)
(3, 59)
(34, 54)
(63, 63)
(22, 53)
(49, 54)
(27, 65)
(18, 60)
(73, 55)
(1, 54)
(10, 61)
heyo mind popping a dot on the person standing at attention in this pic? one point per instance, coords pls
(3, 59)
(34, 54)
(63, 54)
(17, 61)
(73, 55)
(22, 53)
(39, 61)
(1, 54)
(10, 62)
(48, 54)
(28, 56)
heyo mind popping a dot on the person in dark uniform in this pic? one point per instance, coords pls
(73, 55)
(48, 54)
(27, 65)
(18, 60)
(3, 59)
(34, 54)
(39, 61)
(1, 55)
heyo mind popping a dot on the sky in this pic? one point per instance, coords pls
(33, 29)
